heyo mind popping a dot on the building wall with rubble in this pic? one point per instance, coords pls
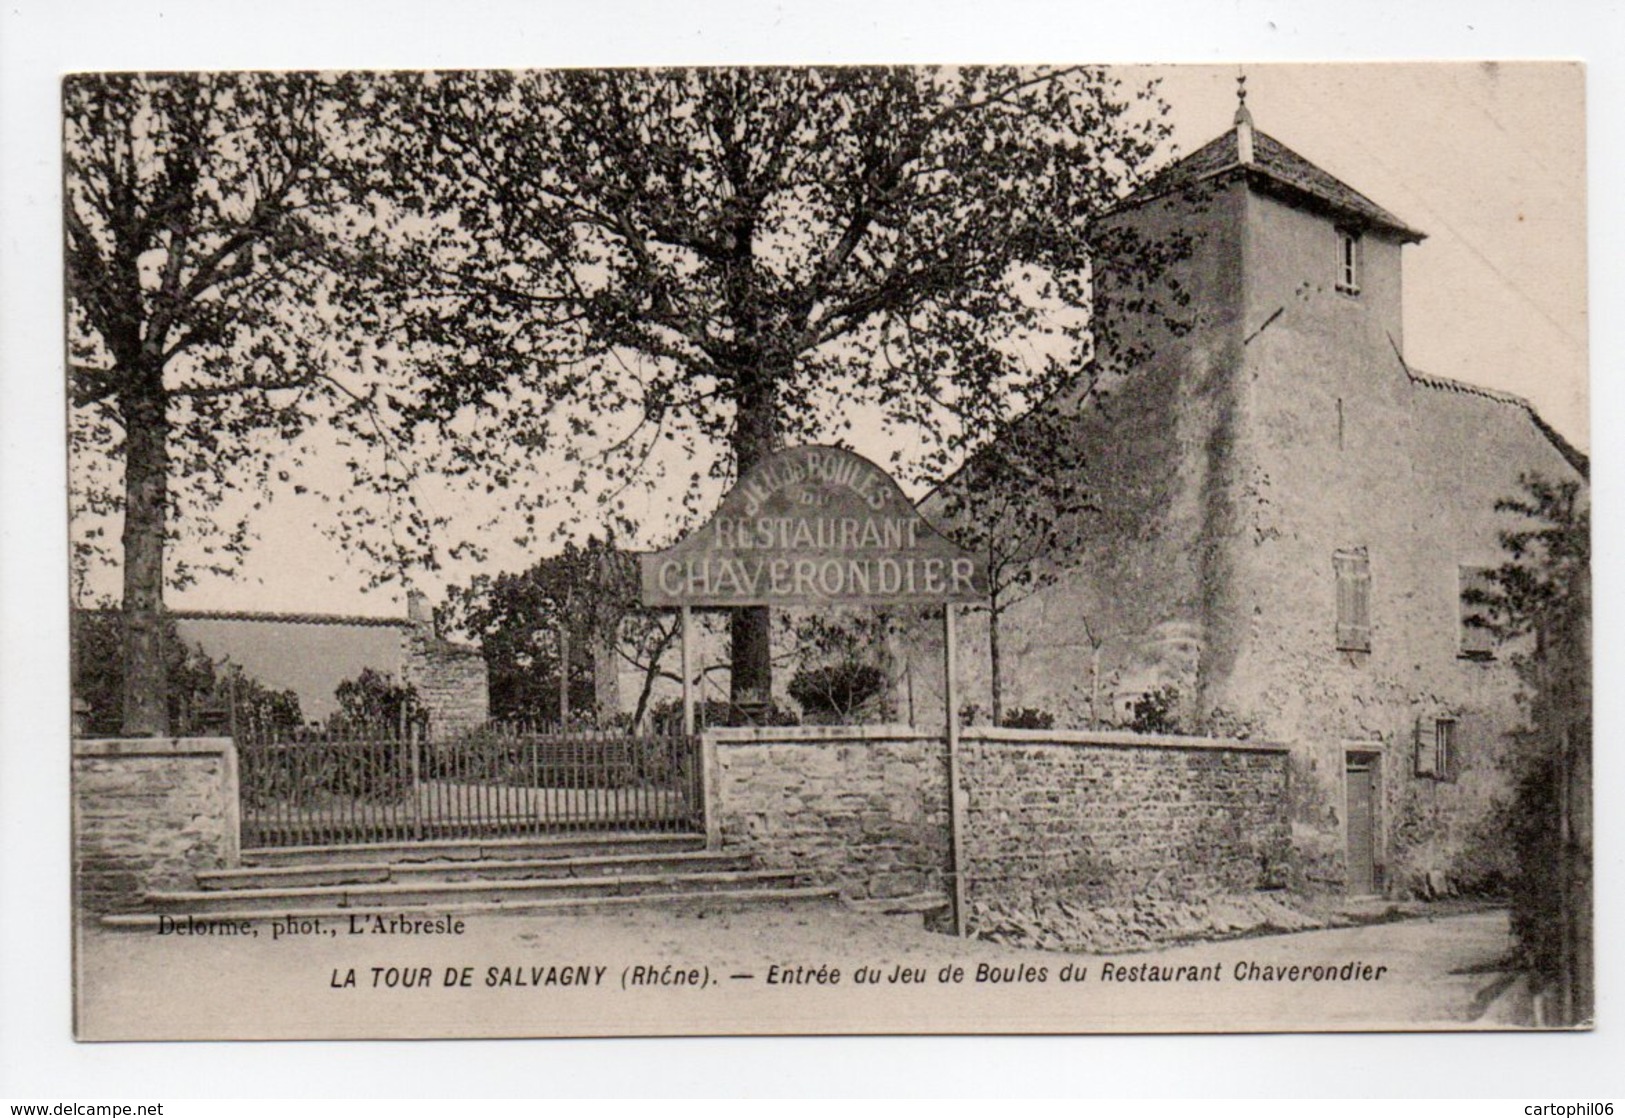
(451, 681)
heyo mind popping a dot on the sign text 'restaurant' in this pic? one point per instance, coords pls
(811, 526)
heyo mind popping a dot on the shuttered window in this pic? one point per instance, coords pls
(1444, 748)
(1477, 642)
(1353, 571)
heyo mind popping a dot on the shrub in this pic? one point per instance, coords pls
(1157, 712)
(836, 691)
(666, 717)
(203, 697)
(1029, 718)
(497, 754)
(311, 771)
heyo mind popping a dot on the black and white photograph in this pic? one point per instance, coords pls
(828, 549)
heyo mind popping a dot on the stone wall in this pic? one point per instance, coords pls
(865, 807)
(148, 814)
(451, 680)
(1111, 817)
(1097, 816)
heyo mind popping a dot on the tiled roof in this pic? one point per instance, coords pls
(441, 644)
(1573, 456)
(1448, 385)
(1273, 163)
(287, 618)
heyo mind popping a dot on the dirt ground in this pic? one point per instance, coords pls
(780, 969)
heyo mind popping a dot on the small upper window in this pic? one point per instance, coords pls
(1348, 262)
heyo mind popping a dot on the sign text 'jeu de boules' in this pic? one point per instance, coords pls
(810, 526)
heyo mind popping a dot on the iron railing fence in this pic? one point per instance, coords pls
(340, 785)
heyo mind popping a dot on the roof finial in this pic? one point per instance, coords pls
(1244, 123)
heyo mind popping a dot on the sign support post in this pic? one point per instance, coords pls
(688, 672)
(956, 829)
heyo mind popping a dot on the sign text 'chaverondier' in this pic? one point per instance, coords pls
(812, 526)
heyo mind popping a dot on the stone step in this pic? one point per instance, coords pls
(795, 896)
(488, 869)
(414, 894)
(466, 850)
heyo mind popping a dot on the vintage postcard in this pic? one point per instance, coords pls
(829, 550)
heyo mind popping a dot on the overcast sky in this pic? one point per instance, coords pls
(1396, 148)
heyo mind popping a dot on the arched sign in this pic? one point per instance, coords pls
(814, 526)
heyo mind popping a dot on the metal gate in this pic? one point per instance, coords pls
(321, 788)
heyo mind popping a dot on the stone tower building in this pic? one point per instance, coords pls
(1287, 517)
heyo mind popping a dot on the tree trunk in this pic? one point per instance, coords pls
(652, 674)
(997, 680)
(755, 437)
(564, 675)
(606, 677)
(146, 506)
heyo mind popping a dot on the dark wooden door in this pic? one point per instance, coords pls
(1362, 824)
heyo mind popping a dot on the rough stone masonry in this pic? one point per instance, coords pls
(1096, 816)
(1108, 817)
(148, 814)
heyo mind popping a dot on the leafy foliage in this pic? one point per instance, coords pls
(682, 246)
(654, 277)
(364, 752)
(589, 592)
(1028, 718)
(577, 758)
(666, 716)
(205, 330)
(1547, 558)
(375, 704)
(648, 272)
(1543, 591)
(841, 672)
(1156, 712)
(837, 691)
(257, 708)
(319, 769)
(1017, 503)
(203, 696)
